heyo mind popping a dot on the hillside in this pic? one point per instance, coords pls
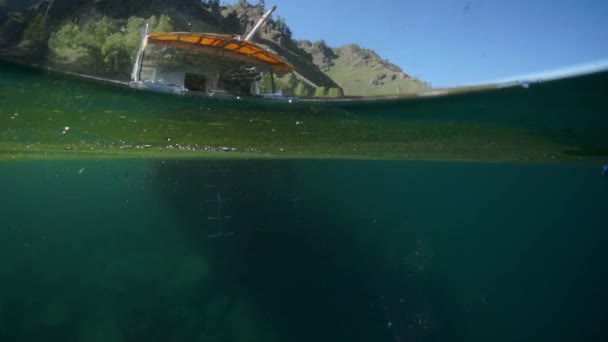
(99, 37)
(361, 72)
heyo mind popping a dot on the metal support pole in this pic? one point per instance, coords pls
(260, 23)
(272, 81)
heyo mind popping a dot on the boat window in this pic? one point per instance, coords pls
(195, 82)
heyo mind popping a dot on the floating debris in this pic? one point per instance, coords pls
(419, 258)
(65, 130)
(81, 171)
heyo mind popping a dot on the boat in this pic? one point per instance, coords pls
(206, 63)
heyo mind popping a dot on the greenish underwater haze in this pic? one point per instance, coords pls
(561, 120)
(478, 216)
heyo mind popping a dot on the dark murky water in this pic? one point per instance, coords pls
(311, 250)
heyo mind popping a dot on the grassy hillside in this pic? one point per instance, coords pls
(361, 72)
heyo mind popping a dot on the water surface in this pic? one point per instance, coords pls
(559, 120)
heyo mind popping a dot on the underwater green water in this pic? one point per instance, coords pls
(322, 250)
(399, 240)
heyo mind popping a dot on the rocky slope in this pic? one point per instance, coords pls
(361, 72)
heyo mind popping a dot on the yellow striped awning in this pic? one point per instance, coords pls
(222, 45)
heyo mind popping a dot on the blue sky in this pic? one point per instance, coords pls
(459, 42)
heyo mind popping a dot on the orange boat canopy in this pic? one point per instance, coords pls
(222, 45)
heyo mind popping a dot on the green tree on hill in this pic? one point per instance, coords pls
(335, 92)
(287, 83)
(213, 4)
(301, 90)
(82, 46)
(281, 25)
(101, 45)
(320, 92)
(33, 35)
(265, 83)
(114, 52)
(164, 24)
(65, 45)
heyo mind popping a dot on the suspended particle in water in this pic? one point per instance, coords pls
(65, 130)
(418, 259)
(81, 171)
